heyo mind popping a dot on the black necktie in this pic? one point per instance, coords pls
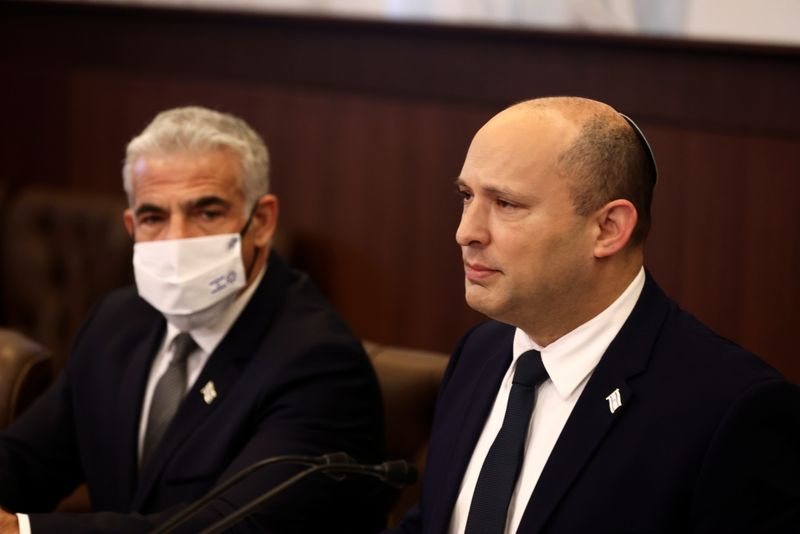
(498, 476)
(168, 394)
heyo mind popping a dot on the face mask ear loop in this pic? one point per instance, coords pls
(252, 263)
(257, 249)
(246, 226)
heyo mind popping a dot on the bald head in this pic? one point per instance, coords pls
(572, 108)
(594, 148)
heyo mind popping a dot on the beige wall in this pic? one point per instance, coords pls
(767, 21)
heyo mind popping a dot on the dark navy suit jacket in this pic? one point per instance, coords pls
(707, 438)
(290, 378)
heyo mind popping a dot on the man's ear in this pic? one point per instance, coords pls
(127, 219)
(615, 224)
(265, 220)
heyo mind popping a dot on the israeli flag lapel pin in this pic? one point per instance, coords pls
(614, 401)
(209, 392)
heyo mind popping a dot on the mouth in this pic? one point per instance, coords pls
(476, 272)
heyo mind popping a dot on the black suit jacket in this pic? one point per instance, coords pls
(707, 438)
(290, 378)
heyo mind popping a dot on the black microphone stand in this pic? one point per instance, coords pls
(337, 458)
(397, 473)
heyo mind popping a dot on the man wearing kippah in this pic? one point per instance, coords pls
(591, 403)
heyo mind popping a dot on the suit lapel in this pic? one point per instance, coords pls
(587, 425)
(223, 369)
(476, 400)
(592, 419)
(129, 406)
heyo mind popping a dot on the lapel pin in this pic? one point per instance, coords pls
(614, 401)
(209, 392)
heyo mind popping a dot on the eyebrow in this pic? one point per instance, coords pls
(500, 191)
(148, 208)
(490, 189)
(204, 202)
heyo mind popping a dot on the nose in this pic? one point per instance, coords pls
(472, 230)
(177, 227)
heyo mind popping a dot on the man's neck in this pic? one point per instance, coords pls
(609, 285)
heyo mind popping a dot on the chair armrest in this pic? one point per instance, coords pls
(25, 372)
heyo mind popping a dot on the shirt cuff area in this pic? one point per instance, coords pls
(24, 524)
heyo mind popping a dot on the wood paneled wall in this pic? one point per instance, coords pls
(368, 123)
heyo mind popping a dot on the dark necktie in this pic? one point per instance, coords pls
(168, 394)
(498, 476)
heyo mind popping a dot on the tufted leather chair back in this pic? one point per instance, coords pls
(61, 251)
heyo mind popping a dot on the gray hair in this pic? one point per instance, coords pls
(200, 129)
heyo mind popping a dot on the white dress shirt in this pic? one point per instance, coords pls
(207, 339)
(570, 361)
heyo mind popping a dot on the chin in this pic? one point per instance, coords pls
(482, 303)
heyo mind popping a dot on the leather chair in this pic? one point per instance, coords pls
(61, 250)
(25, 372)
(409, 381)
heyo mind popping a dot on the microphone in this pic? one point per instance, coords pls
(337, 458)
(398, 473)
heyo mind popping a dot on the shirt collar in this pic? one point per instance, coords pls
(573, 356)
(208, 337)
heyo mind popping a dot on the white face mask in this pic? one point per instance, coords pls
(191, 281)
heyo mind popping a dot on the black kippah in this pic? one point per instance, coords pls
(646, 146)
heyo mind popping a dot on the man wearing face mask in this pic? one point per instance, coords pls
(220, 357)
